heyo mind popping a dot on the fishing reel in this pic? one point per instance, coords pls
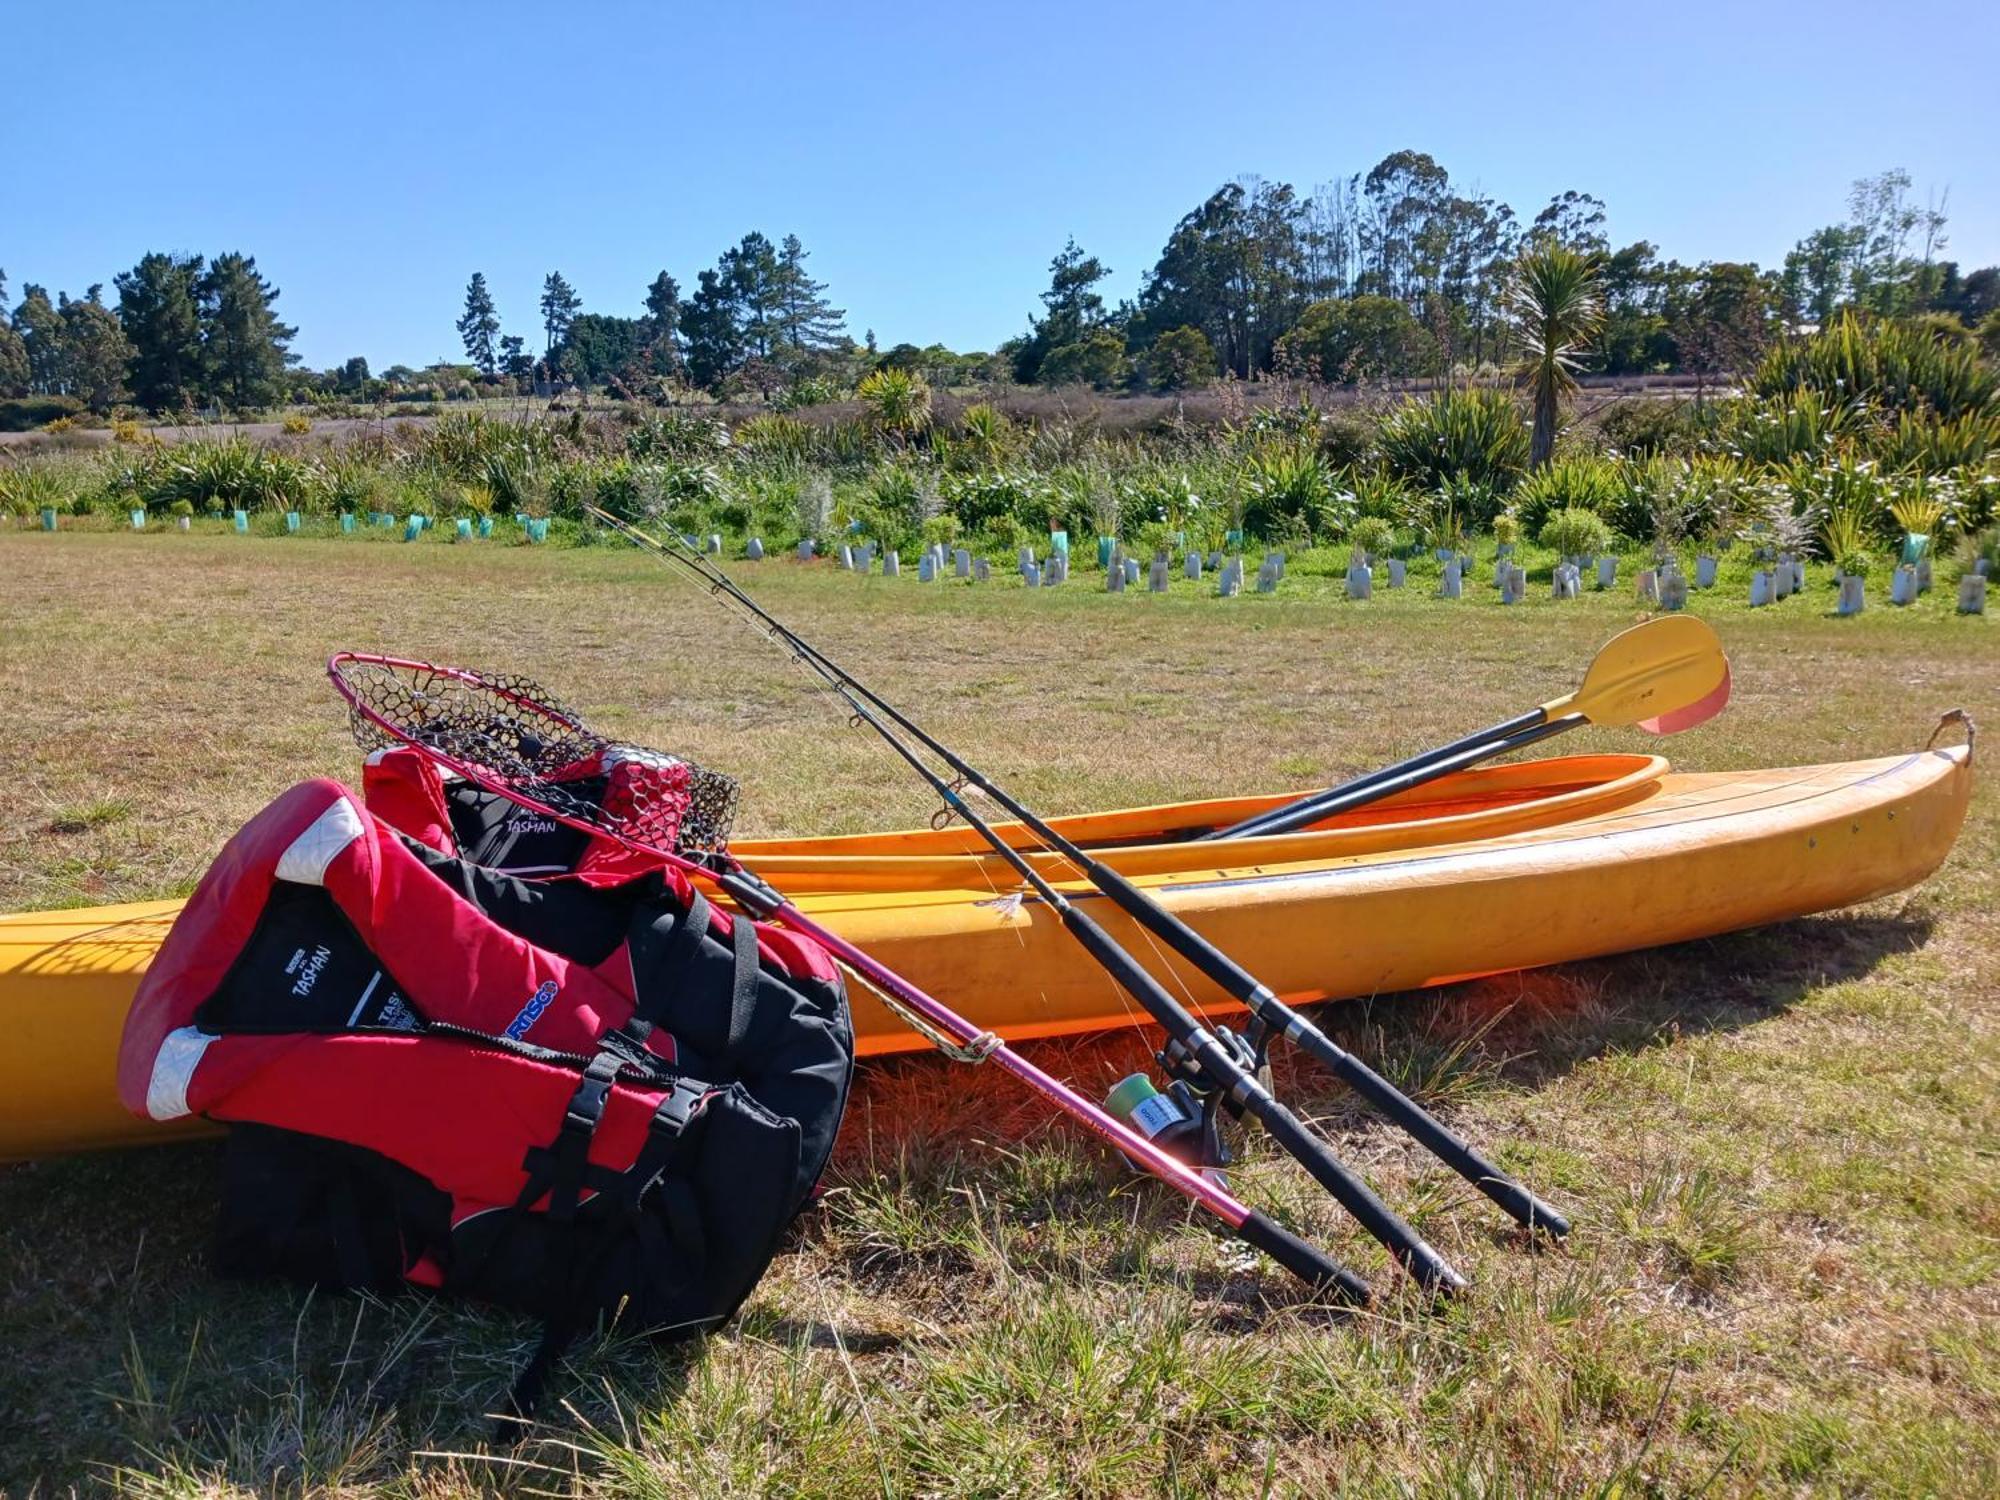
(1187, 1117)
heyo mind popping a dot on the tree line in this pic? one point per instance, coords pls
(1393, 273)
(1398, 272)
(184, 332)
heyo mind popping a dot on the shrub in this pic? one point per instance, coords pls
(1924, 504)
(812, 506)
(899, 404)
(1574, 481)
(26, 413)
(1474, 435)
(60, 425)
(1575, 532)
(1919, 440)
(774, 435)
(1181, 359)
(1097, 358)
(1844, 532)
(686, 437)
(126, 430)
(1643, 426)
(27, 489)
(1436, 519)
(1895, 366)
(1977, 546)
(1777, 429)
(231, 475)
(1668, 501)
(1289, 490)
(1353, 339)
(295, 424)
(985, 435)
(1373, 535)
(808, 390)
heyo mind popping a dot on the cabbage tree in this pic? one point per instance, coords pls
(1556, 312)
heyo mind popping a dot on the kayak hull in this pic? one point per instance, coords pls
(1636, 858)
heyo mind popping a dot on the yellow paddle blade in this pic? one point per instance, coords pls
(1664, 676)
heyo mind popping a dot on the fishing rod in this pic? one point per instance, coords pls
(1228, 1069)
(505, 735)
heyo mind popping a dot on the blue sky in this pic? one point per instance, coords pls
(932, 158)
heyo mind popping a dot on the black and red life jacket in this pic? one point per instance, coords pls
(577, 1097)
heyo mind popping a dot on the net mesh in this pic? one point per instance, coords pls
(511, 732)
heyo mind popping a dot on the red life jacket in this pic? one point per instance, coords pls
(570, 1098)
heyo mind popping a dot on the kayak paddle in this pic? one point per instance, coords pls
(1664, 676)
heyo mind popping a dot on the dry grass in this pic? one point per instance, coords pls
(1777, 1146)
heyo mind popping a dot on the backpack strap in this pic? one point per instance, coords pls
(661, 960)
(742, 984)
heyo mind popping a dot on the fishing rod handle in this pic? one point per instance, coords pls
(1520, 1204)
(1305, 1261)
(1229, 1075)
(1409, 1249)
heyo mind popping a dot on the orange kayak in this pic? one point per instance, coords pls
(1486, 871)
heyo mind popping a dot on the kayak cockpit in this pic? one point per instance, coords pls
(1489, 802)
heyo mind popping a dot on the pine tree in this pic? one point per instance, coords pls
(807, 322)
(560, 305)
(750, 276)
(480, 326)
(95, 351)
(714, 336)
(663, 324)
(158, 304)
(243, 342)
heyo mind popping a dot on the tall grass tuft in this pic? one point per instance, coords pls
(1457, 434)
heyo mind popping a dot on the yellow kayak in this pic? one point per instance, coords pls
(1486, 871)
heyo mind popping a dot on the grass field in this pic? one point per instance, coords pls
(1778, 1147)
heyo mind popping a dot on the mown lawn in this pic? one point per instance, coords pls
(1778, 1147)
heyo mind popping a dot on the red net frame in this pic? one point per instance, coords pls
(506, 732)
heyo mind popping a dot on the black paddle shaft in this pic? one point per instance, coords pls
(1272, 820)
(1387, 783)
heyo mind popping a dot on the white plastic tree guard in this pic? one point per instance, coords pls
(1853, 595)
